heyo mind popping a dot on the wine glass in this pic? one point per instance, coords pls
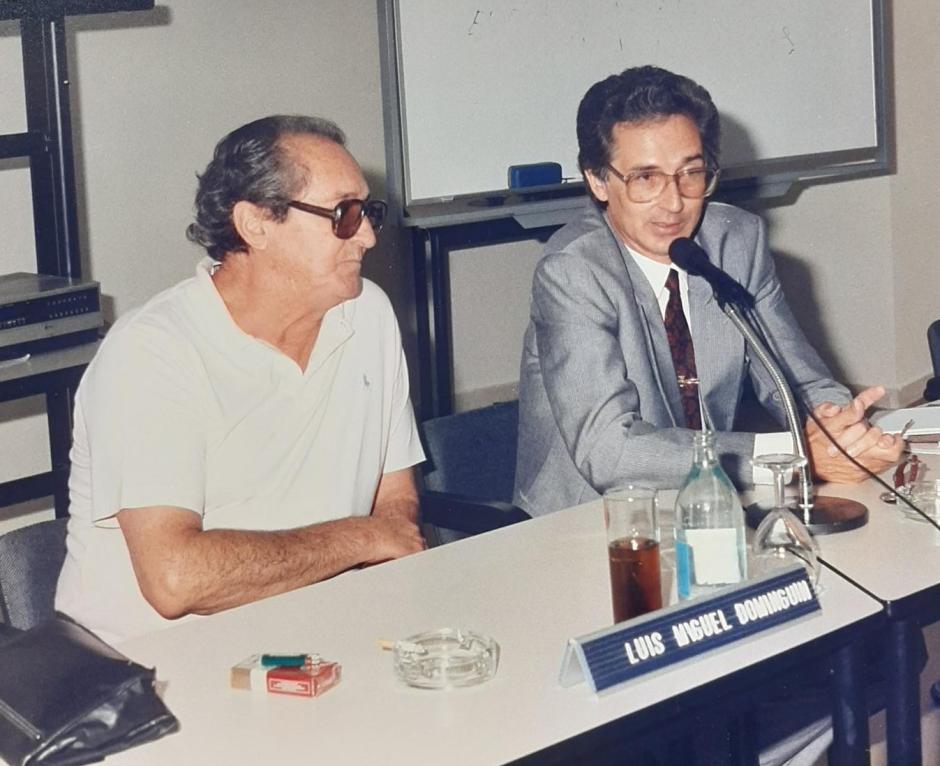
(782, 538)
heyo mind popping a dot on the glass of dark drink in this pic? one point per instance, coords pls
(633, 551)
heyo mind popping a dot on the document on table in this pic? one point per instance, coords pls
(926, 421)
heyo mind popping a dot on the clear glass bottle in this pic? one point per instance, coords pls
(711, 551)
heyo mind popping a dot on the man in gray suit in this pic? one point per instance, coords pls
(600, 400)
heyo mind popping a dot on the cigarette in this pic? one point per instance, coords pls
(402, 646)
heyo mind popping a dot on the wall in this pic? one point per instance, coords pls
(155, 91)
(915, 190)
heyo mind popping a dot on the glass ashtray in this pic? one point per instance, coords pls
(926, 496)
(446, 658)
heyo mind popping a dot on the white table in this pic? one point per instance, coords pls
(897, 560)
(530, 586)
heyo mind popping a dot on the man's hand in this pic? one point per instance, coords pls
(868, 444)
(393, 537)
(394, 518)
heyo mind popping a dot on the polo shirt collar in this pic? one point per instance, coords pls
(337, 326)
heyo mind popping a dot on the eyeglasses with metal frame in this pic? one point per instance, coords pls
(347, 216)
(647, 185)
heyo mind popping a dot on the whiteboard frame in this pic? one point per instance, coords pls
(771, 177)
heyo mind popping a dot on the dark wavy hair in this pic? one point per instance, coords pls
(251, 164)
(641, 94)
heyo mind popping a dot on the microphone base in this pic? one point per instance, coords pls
(830, 515)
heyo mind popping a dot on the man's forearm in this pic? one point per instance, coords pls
(182, 568)
(203, 572)
(240, 567)
(661, 458)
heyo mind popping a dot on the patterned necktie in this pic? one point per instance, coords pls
(683, 354)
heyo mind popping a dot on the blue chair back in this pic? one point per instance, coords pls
(932, 392)
(473, 453)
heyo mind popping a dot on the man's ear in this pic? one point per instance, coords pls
(251, 222)
(598, 186)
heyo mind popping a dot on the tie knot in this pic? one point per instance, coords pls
(672, 282)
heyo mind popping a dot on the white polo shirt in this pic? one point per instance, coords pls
(182, 408)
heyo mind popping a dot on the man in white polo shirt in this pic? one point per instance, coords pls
(249, 430)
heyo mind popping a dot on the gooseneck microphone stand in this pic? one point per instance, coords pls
(821, 514)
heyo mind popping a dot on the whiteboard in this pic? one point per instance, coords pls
(476, 86)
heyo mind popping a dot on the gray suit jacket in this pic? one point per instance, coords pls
(598, 397)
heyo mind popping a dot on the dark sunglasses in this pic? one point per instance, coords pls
(347, 216)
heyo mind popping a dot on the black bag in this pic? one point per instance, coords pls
(67, 698)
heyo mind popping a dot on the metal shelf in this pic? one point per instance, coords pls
(47, 143)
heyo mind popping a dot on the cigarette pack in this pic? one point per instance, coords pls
(312, 678)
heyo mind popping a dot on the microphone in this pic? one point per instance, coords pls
(693, 259)
(821, 514)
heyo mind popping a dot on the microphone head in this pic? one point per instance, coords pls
(687, 255)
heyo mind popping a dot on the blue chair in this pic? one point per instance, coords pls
(30, 560)
(468, 479)
(932, 392)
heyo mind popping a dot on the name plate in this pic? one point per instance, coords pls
(609, 658)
